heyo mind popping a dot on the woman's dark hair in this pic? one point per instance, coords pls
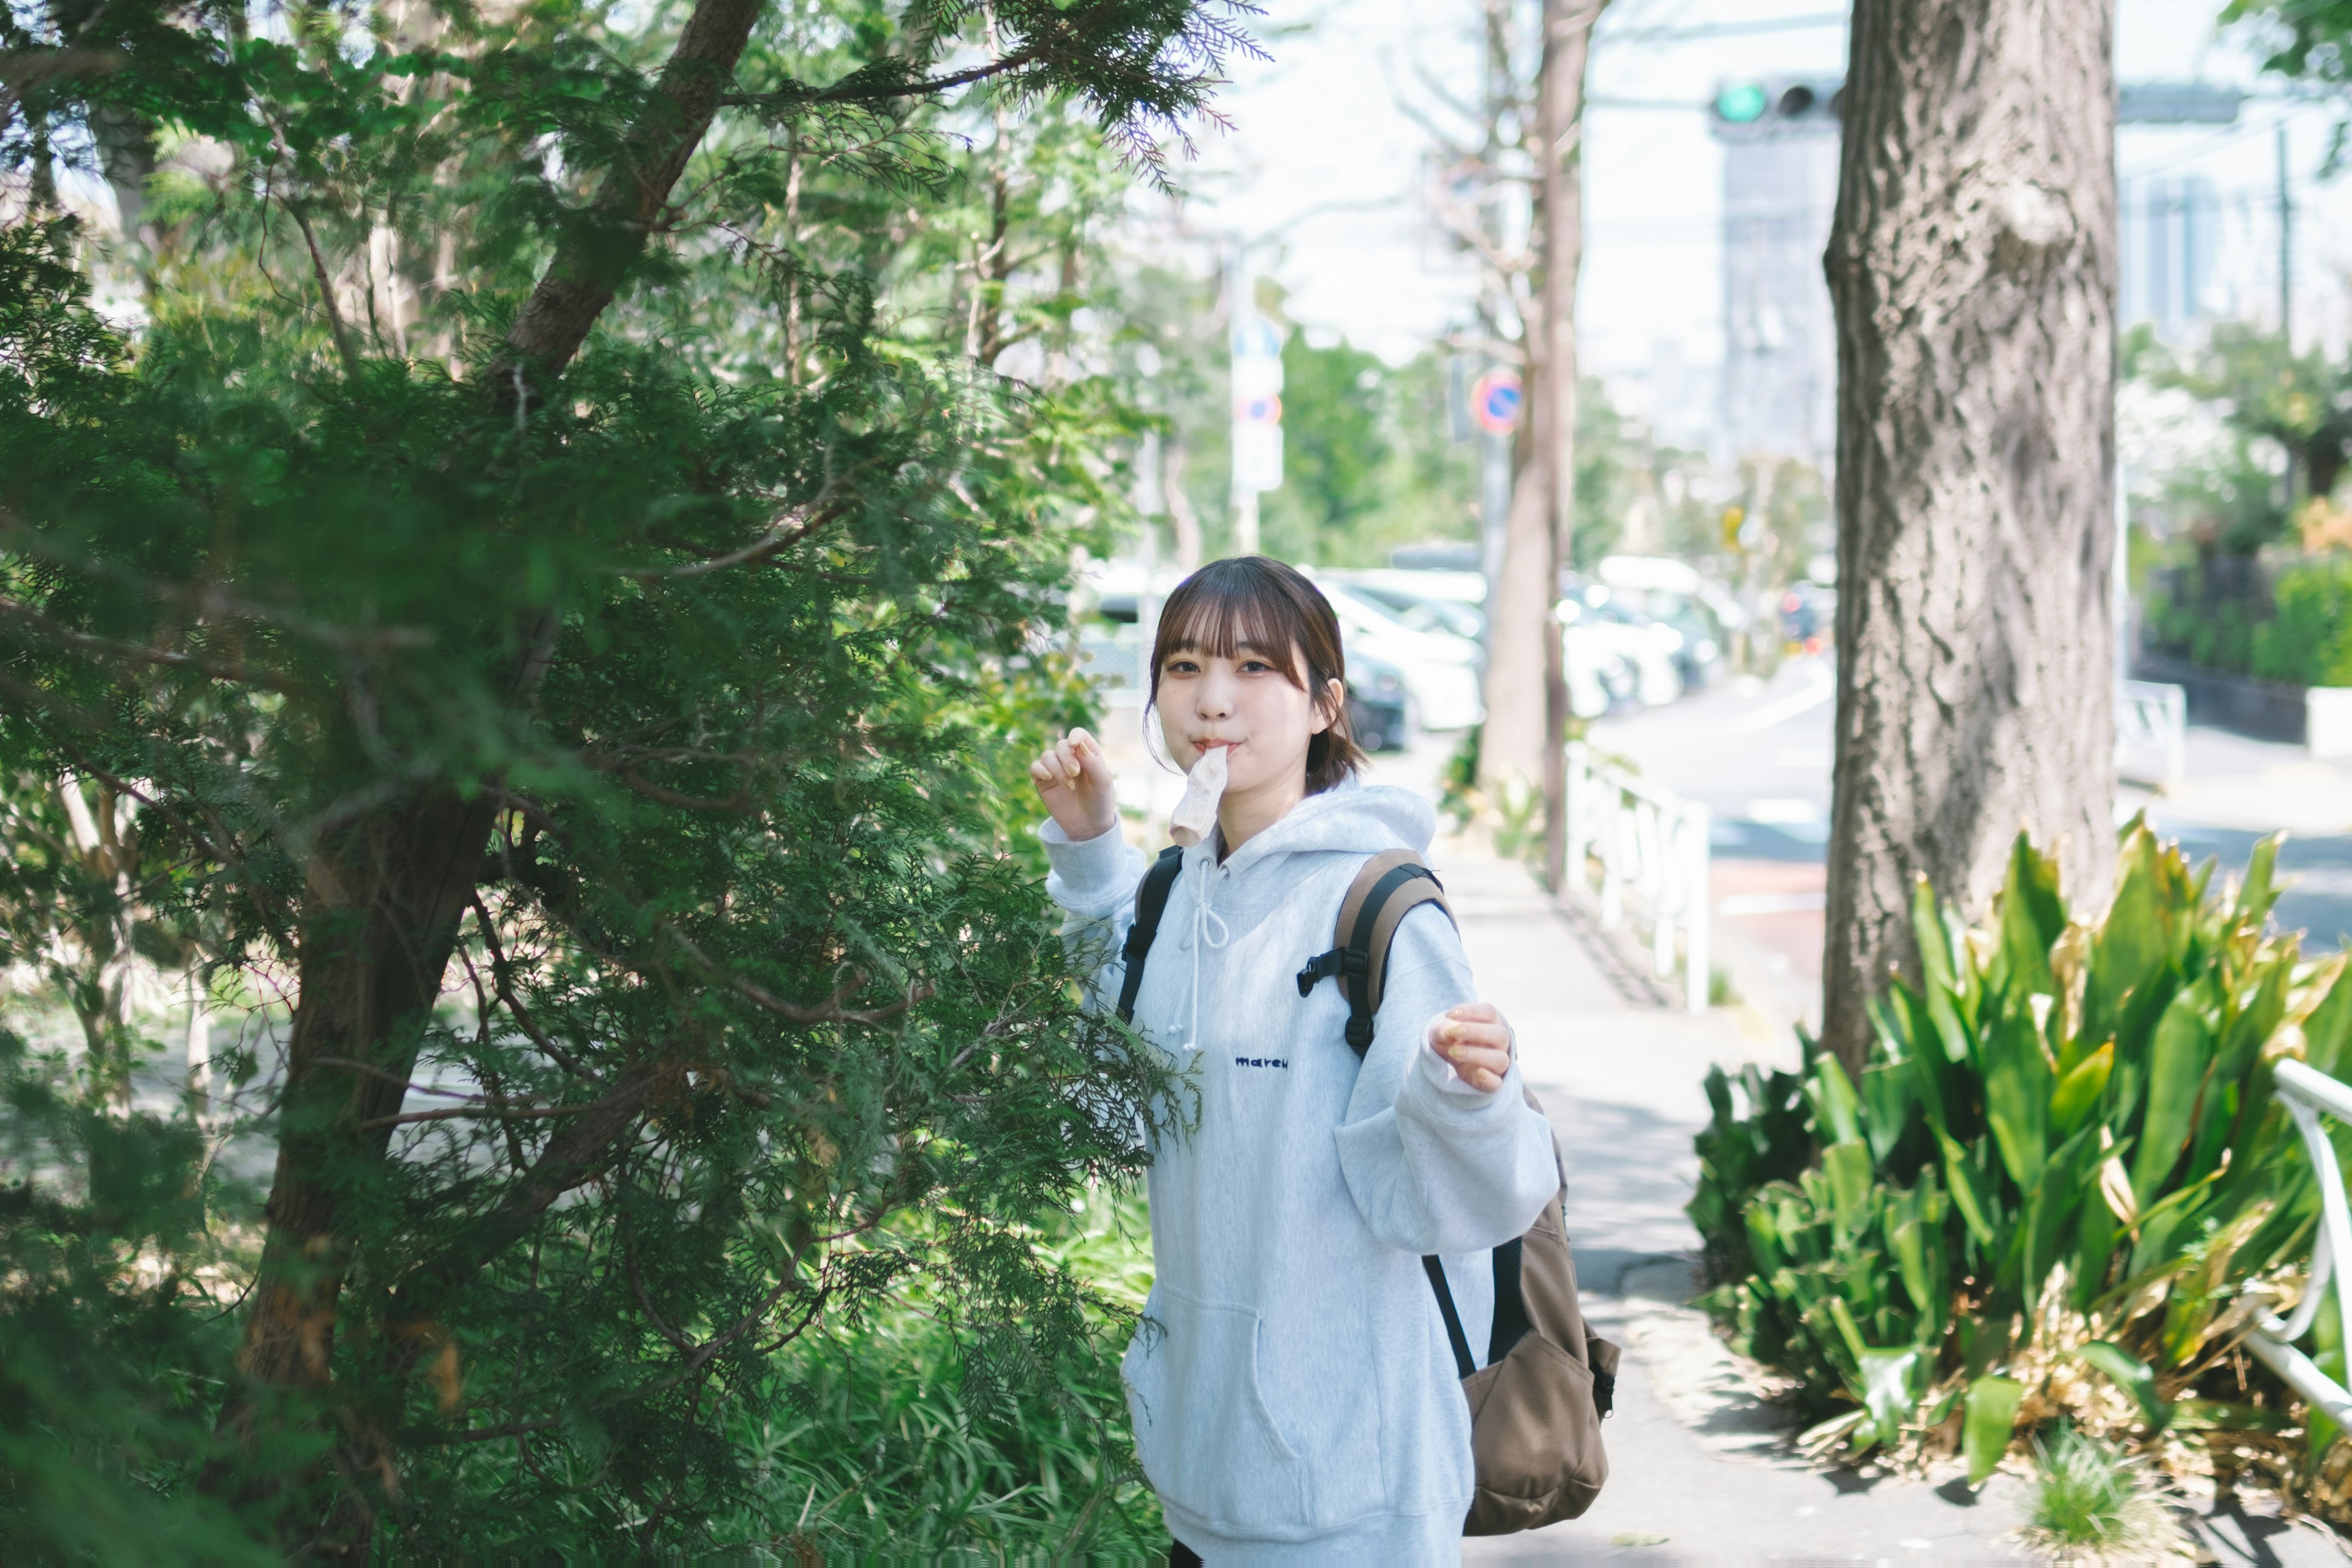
(1282, 617)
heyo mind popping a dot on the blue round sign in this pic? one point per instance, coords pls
(1498, 402)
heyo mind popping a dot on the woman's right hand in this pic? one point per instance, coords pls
(1073, 779)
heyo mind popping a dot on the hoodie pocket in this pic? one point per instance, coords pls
(1201, 1428)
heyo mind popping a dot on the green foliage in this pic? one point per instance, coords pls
(2306, 640)
(2266, 390)
(115, 1338)
(608, 760)
(2308, 40)
(895, 1435)
(2064, 1142)
(2088, 1497)
(1333, 445)
(1368, 457)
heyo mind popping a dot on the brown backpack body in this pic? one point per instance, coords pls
(1536, 1407)
(1536, 1412)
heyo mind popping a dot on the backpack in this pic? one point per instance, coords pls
(1536, 1407)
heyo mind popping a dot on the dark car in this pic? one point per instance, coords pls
(1378, 715)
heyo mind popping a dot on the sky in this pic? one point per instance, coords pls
(1324, 166)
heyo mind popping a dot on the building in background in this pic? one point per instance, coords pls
(1779, 392)
(2171, 237)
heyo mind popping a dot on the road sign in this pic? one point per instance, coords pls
(1257, 406)
(1497, 400)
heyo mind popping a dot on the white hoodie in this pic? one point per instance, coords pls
(1294, 1397)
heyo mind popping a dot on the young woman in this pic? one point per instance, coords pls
(1294, 1397)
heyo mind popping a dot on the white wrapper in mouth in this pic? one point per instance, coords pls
(1205, 787)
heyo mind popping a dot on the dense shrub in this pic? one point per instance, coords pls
(2309, 639)
(2302, 635)
(2063, 1154)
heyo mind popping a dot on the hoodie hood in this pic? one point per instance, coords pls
(1351, 819)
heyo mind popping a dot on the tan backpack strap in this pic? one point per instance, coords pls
(1403, 901)
(1386, 888)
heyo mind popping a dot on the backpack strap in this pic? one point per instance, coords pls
(1150, 902)
(1454, 1334)
(1390, 886)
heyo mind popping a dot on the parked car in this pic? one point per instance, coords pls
(1440, 669)
(1627, 655)
(1380, 706)
(1426, 600)
(1437, 555)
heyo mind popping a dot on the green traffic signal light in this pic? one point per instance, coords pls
(1742, 103)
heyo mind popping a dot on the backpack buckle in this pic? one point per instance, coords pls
(1340, 961)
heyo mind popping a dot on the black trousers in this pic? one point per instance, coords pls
(1182, 1556)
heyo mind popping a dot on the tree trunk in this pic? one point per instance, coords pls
(1559, 129)
(592, 260)
(1510, 744)
(1972, 266)
(1526, 690)
(382, 910)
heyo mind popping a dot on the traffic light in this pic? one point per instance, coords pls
(1778, 104)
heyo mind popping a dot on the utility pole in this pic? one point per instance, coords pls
(1257, 404)
(2286, 246)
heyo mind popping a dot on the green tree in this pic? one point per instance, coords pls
(2264, 391)
(1334, 437)
(564, 604)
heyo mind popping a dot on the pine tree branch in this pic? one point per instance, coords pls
(589, 262)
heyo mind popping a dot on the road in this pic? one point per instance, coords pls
(1756, 754)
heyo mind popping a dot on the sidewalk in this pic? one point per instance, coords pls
(1699, 1473)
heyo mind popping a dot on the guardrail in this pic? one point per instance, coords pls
(1651, 845)
(2306, 1093)
(2151, 732)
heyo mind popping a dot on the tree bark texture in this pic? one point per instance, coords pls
(1526, 688)
(1972, 264)
(1560, 127)
(379, 924)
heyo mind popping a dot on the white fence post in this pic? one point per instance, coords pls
(2151, 732)
(1698, 900)
(1653, 846)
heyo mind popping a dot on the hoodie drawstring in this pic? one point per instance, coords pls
(1203, 916)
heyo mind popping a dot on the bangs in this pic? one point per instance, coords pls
(1217, 613)
(1273, 612)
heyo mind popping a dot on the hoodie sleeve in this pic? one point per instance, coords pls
(1433, 1165)
(1093, 879)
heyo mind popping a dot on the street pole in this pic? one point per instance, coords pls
(1493, 505)
(2286, 247)
(1256, 371)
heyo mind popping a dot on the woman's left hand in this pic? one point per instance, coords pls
(1476, 1041)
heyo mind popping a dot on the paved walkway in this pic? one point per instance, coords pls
(1700, 1472)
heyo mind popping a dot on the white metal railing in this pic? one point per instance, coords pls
(2306, 1093)
(2151, 732)
(1650, 843)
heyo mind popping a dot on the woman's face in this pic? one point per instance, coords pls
(1246, 703)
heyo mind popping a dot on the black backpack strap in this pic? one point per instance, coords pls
(1454, 1334)
(1511, 1322)
(1150, 900)
(1390, 886)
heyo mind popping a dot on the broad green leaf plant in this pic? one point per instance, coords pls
(2061, 1187)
